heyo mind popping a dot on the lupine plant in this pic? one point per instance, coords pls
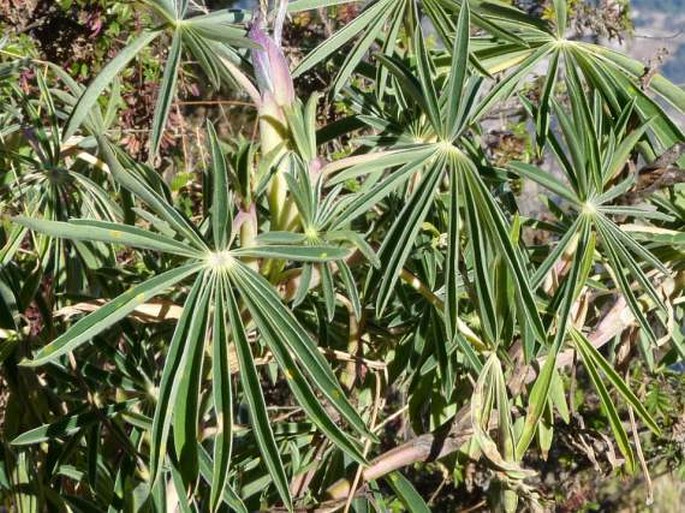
(351, 297)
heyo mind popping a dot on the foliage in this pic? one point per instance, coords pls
(360, 286)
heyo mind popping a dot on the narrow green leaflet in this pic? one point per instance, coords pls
(261, 424)
(167, 90)
(458, 71)
(221, 209)
(186, 386)
(426, 76)
(70, 425)
(590, 352)
(452, 264)
(106, 316)
(228, 494)
(222, 395)
(543, 117)
(187, 335)
(104, 78)
(546, 179)
(115, 233)
(406, 492)
(296, 253)
(609, 408)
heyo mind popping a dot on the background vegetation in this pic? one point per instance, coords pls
(336, 255)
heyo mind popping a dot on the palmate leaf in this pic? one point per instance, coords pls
(199, 34)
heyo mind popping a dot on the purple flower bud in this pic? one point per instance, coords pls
(270, 66)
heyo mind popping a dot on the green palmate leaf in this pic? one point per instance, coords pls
(115, 233)
(111, 313)
(70, 425)
(167, 90)
(104, 78)
(295, 253)
(259, 417)
(269, 313)
(400, 240)
(187, 336)
(458, 71)
(222, 396)
(406, 492)
(221, 209)
(590, 352)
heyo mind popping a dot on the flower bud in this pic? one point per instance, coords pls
(270, 66)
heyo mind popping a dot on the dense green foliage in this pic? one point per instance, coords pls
(296, 313)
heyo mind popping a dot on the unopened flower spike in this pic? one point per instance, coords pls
(270, 65)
